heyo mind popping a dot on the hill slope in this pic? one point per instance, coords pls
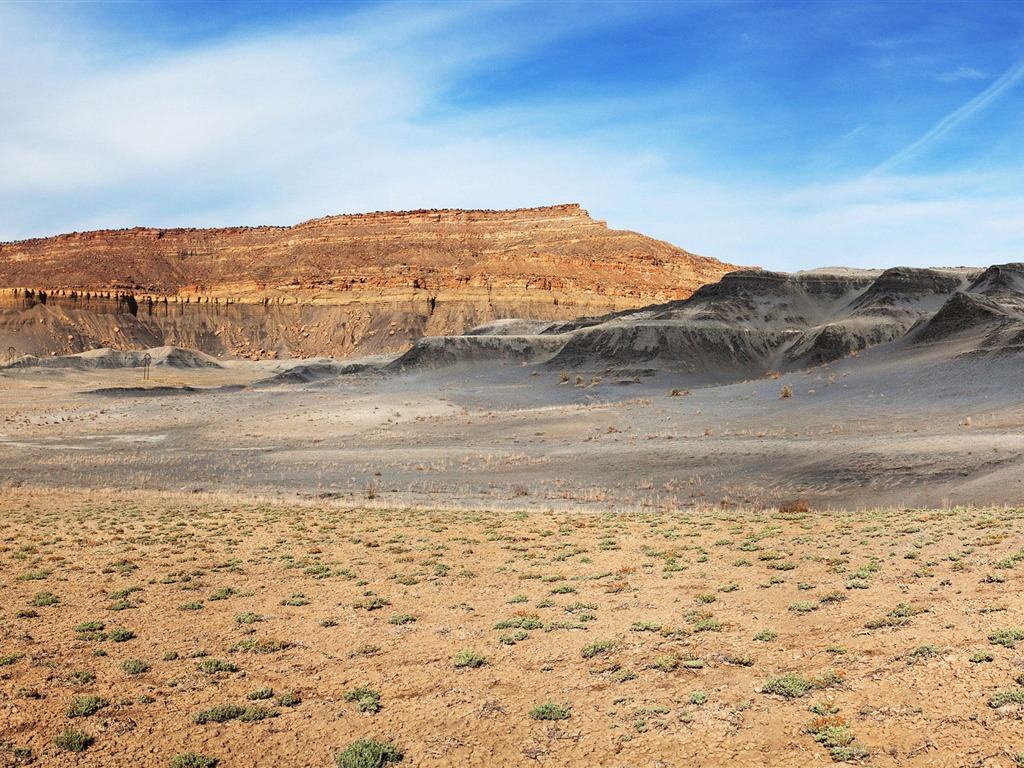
(330, 286)
(752, 322)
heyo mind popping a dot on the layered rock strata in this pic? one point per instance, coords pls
(333, 286)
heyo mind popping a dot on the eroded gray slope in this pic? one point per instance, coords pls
(752, 322)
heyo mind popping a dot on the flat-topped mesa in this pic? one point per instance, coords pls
(567, 212)
(331, 286)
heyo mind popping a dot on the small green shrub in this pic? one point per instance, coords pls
(469, 659)
(804, 606)
(82, 677)
(121, 635)
(550, 711)
(43, 599)
(261, 694)
(371, 603)
(192, 760)
(73, 741)
(368, 753)
(225, 712)
(1006, 696)
(121, 594)
(923, 652)
(84, 706)
(520, 622)
(667, 662)
(741, 660)
(213, 666)
(765, 635)
(122, 605)
(645, 626)
(1007, 637)
(90, 630)
(707, 625)
(833, 733)
(290, 699)
(790, 685)
(248, 617)
(402, 618)
(134, 666)
(598, 647)
(367, 698)
(297, 600)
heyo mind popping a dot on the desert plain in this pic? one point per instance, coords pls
(509, 564)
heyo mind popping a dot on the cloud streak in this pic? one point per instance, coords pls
(954, 119)
(406, 106)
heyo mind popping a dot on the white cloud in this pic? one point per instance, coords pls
(960, 74)
(279, 127)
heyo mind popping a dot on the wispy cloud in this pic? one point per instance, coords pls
(413, 105)
(960, 74)
(954, 119)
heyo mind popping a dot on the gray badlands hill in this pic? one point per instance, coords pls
(753, 322)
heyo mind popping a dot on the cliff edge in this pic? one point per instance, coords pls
(339, 285)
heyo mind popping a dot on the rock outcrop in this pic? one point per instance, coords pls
(754, 322)
(332, 286)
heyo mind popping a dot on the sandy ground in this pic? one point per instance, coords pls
(658, 632)
(926, 432)
(466, 501)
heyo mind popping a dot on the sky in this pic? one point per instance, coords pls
(787, 135)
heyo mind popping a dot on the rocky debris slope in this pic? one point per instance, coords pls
(755, 322)
(367, 283)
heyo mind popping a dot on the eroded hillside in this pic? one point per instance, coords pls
(331, 286)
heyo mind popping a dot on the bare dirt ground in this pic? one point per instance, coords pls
(662, 635)
(610, 548)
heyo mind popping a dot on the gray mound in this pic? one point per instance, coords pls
(968, 315)
(106, 358)
(161, 391)
(309, 373)
(752, 322)
(439, 351)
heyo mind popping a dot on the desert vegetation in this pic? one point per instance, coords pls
(331, 635)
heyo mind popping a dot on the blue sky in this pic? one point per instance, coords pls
(786, 135)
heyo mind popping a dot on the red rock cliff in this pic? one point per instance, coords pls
(330, 286)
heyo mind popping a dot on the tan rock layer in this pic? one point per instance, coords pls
(330, 286)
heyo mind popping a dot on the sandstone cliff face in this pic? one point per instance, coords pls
(333, 286)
